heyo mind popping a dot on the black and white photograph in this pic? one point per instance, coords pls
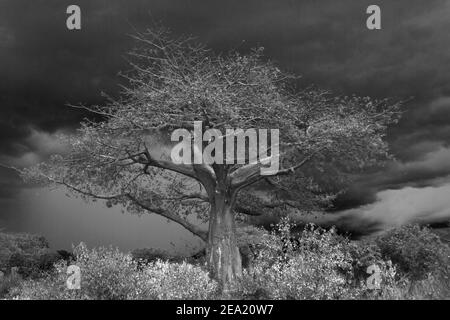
(240, 151)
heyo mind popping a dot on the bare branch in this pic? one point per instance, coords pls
(202, 234)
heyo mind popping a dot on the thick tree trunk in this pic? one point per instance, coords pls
(223, 254)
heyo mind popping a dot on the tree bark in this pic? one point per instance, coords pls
(223, 255)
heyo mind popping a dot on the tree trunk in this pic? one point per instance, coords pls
(223, 255)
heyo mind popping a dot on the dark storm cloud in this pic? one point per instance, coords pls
(43, 65)
(431, 167)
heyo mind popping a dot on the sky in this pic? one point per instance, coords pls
(44, 66)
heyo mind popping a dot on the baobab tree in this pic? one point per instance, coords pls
(123, 157)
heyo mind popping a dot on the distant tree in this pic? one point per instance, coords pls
(125, 157)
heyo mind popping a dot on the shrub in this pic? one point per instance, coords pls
(108, 274)
(21, 250)
(27, 264)
(416, 251)
(66, 255)
(319, 265)
(248, 240)
(50, 287)
(8, 283)
(363, 255)
(434, 286)
(179, 281)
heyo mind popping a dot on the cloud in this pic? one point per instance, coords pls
(35, 148)
(435, 160)
(406, 205)
(423, 171)
(428, 167)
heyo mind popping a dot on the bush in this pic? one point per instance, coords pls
(8, 283)
(363, 255)
(248, 240)
(416, 251)
(21, 250)
(434, 287)
(319, 265)
(108, 274)
(34, 265)
(105, 274)
(66, 256)
(50, 287)
(26, 264)
(179, 281)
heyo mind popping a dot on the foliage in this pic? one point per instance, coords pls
(416, 251)
(108, 274)
(22, 244)
(249, 235)
(319, 265)
(66, 255)
(179, 281)
(363, 255)
(27, 264)
(8, 283)
(24, 251)
(433, 286)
